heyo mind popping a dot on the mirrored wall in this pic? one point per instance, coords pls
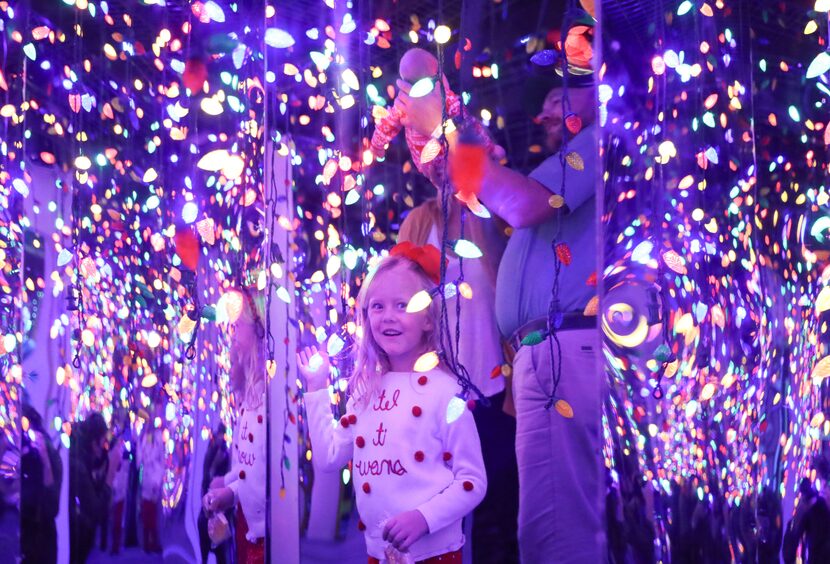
(714, 151)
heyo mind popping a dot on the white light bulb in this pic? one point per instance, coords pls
(455, 408)
(419, 302)
(442, 34)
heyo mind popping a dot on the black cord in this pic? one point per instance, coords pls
(554, 320)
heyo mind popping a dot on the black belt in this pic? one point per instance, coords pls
(570, 321)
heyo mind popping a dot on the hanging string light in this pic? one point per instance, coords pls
(450, 341)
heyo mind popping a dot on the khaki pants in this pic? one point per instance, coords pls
(559, 459)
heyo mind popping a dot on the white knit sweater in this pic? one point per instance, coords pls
(248, 472)
(406, 455)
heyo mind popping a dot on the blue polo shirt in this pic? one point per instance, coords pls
(525, 278)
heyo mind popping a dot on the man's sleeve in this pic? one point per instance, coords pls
(580, 185)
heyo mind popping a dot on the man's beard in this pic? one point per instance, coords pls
(553, 142)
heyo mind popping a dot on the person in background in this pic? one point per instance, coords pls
(119, 495)
(41, 475)
(809, 528)
(244, 486)
(151, 458)
(111, 463)
(88, 497)
(217, 463)
(99, 474)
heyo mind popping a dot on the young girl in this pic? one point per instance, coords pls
(244, 485)
(417, 465)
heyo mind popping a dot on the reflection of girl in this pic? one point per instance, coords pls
(244, 485)
(417, 462)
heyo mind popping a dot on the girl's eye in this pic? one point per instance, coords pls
(376, 306)
(401, 305)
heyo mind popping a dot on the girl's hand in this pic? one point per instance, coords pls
(218, 500)
(314, 366)
(404, 529)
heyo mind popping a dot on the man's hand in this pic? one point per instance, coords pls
(217, 482)
(404, 529)
(421, 114)
(314, 366)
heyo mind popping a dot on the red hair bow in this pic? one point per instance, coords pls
(427, 257)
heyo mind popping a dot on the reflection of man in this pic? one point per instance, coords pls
(559, 458)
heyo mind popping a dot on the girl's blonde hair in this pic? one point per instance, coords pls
(248, 371)
(371, 361)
